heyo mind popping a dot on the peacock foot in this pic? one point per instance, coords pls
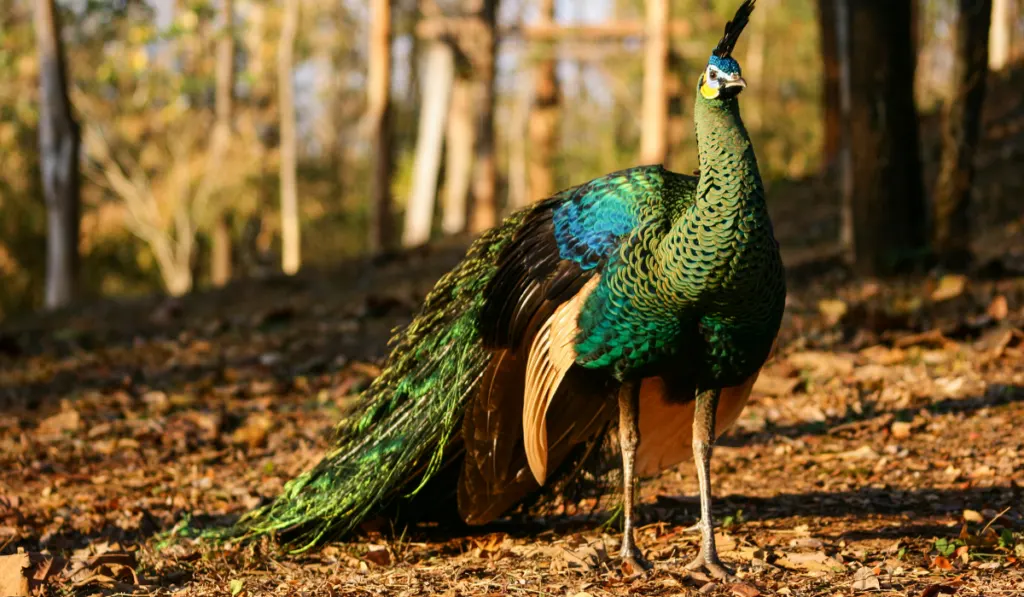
(632, 558)
(713, 566)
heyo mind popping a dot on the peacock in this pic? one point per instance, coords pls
(644, 300)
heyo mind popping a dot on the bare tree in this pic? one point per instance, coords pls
(379, 120)
(220, 259)
(961, 130)
(1001, 36)
(887, 199)
(436, 82)
(291, 257)
(485, 196)
(168, 172)
(59, 142)
(654, 113)
(544, 117)
(458, 156)
(161, 215)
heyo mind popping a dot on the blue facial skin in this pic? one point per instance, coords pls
(726, 65)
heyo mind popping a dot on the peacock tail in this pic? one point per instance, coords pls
(405, 418)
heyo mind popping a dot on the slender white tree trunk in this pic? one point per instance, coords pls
(291, 257)
(59, 142)
(458, 157)
(436, 82)
(999, 35)
(518, 176)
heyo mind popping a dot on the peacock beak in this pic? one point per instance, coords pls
(735, 82)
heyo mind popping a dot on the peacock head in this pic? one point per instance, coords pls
(722, 79)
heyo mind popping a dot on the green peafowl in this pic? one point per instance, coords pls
(648, 294)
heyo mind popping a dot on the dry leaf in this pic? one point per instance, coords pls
(590, 556)
(813, 561)
(822, 364)
(744, 590)
(253, 431)
(14, 575)
(832, 310)
(950, 286)
(865, 579)
(933, 590)
(56, 425)
(973, 516)
(900, 430)
(941, 563)
(774, 385)
(998, 309)
(379, 556)
(883, 355)
(933, 337)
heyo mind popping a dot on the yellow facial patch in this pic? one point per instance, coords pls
(707, 91)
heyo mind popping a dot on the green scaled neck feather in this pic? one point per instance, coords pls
(728, 212)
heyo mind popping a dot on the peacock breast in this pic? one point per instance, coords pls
(738, 326)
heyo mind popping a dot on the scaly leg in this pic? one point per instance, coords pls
(629, 438)
(703, 442)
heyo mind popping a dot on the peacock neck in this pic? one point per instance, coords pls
(729, 174)
(728, 216)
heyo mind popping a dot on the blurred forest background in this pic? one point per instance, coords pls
(172, 145)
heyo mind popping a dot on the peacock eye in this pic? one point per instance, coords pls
(713, 75)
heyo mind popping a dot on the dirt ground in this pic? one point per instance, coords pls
(882, 452)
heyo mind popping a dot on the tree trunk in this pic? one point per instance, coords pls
(436, 83)
(961, 130)
(484, 214)
(518, 131)
(544, 118)
(291, 257)
(458, 157)
(845, 156)
(220, 253)
(654, 114)
(59, 141)
(887, 197)
(1002, 34)
(831, 101)
(220, 249)
(379, 105)
(753, 66)
(678, 124)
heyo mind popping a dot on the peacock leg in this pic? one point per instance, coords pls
(629, 438)
(703, 443)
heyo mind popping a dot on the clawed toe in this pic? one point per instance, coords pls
(713, 566)
(635, 561)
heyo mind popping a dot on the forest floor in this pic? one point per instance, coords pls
(882, 451)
